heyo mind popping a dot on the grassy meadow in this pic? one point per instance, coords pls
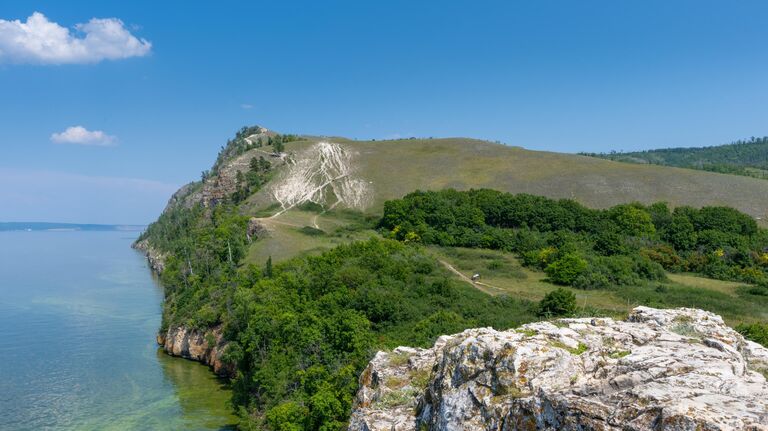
(462, 163)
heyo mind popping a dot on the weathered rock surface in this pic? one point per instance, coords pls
(186, 196)
(206, 347)
(680, 369)
(326, 174)
(155, 258)
(220, 186)
(256, 229)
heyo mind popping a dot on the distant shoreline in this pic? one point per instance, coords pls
(67, 227)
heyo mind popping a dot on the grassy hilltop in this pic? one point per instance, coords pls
(310, 254)
(397, 167)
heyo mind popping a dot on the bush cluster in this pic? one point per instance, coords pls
(583, 247)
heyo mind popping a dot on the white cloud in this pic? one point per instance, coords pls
(40, 41)
(81, 136)
(246, 106)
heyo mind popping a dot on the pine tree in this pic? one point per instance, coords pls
(268, 268)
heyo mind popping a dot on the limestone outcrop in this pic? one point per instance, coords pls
(680, 369)
(256, 229)
(220, 186)
(206, 347)
(155, 258)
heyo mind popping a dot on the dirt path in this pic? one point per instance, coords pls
(325, 210)
(483, 287)
(270, 220)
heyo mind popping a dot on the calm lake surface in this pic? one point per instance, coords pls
(79, 312)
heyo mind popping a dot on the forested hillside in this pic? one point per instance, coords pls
(299, 331)
(744, 157)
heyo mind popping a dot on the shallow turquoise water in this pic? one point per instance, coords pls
(78, 316)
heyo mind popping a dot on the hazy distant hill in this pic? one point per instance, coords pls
(44, 226)
(748, 157)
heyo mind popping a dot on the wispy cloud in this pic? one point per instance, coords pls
(41, 41)
(246, 106)
(79, 135)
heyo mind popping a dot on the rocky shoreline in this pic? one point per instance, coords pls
(155, 258)
(205, 347)
(678, 369)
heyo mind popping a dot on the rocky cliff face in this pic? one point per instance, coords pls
(206, 347)
(155, 258)
(218, 187)
(679, 369)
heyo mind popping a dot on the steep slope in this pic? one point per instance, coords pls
(324, 174)
(747, 157)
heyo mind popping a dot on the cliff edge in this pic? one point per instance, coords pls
(205, 347)
(680, 369)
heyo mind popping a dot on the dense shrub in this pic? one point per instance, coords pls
(566, 269)
(665, 256)
(757, 332)
(559, 302)
(716, 241)
(301, 337)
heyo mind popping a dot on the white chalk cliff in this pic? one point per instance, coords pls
(324, 174)
(680, 369)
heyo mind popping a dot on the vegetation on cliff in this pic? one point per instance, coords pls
(301, 329)
(302, 336)
(300, 332)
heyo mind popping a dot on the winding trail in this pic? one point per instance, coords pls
(476, 284)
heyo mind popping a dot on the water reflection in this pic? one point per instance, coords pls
(78, 315)
(204, 398)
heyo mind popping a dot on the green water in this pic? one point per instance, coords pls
(78, 316)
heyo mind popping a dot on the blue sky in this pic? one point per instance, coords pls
(554, 75)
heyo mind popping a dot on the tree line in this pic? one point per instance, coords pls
(747, 157)
(587, 248)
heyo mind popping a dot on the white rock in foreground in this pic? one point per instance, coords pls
(680, 369)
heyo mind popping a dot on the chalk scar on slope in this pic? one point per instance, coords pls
(319, 174)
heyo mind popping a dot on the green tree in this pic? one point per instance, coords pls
(268, 271)
(566, 269)
(680, 233)
(288, 416)
(559, 302)
(632, 220)
(279, 146)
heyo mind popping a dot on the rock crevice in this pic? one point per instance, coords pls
(680, 369)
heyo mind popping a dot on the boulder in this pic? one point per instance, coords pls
(256, 229)
(680, 369)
